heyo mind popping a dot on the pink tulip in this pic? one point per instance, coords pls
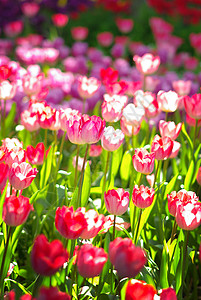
(10, 144)
(67, 114)
(124, 25)
(147, 64)
(169, 129)
(13, 28)
(127, 129)
(95, 150)
(168, 101)
(193, 106)
(162, 147)
(16, 210)
(142, 196)
(21, 175)
(30, 120)
(181, 87)
(188, 215)
(16, 155)
(143, 161)
(74, 127)
(87, 87)
(36, 155)
(112, 107)
(120, 224)
(116, 201)
(126, 258)
(60, 20)
(4, 169)
(92, 129)
(112, 139)
(175, 149)
(30, 9)
(105, 38)
(79, 33)
(32, 85)
(70, 223)
(134, 114)
(90, 260)
(168, 294)
(7, 90)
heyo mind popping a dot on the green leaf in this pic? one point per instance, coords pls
(177, 261)
(189, 176)
(96, 190)
(86, 185)
(74, 199)
(116, 160)
(46, 169)
(183, 130)
(170, 186)
(164, 268)
(125, 166)
(10, 119)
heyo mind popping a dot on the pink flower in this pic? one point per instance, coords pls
(16, 210)
(128, 129)
(51, 293)
(13, 28)
(169, 129)
(126, 258)
(112, 139)
(95, 150)
(70, 224)
(109, 75)
(15, 155)
(10, 144)
(47, 258)
(138, 289)
(21, 175)
(142, 196)
(80, 163)
(175, 149)
(60, 20)
(74, 127)
(193, 106)
(47, 116)
(79, 33)
(182, 87)
(7, 90)
(162, 147)
(92, 129)
(4, 169)
(143, 161)
(90, 260)
(116, 201)
(30, 9)
(30, 120)
(124, 25)
(36, 155)
(168, 101)
(32, 85)
(182, 196)
(120, 224)
(112, 107)
(94, 223)
(147, 64)
(87, 87)
(188, 215)
(134, 114)
(199, 176)
(105, 38)
(67, 114)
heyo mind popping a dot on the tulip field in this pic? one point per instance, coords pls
(100, 152)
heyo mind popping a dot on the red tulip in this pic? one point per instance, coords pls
(193, 106)
(139, 290)
(168, 294)
(126, 258)
(21, 175)
(60, 20)
(70, 224)
(90, 260)
(142, 196)
(4, 169)
(36, 155)
(16, 210)
(47, 258)
(199, 176)
(52, 293)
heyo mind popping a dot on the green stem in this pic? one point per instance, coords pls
(60, 155)
(165, 166)
(134, 216)
(195, 134)
(45, 142)
(2, 271)
(37, 285)
(186, 238)
(104, 179)
(166, 116)
(113, 235)
(157, 171)
(76, 164)
(81, 176)
(138, 226)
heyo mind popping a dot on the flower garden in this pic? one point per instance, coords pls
(100, 155)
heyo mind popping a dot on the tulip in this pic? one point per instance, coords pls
(112, 107)
(47, 258)
(188, 215)
(70, 224)
(143, 161)
(51, 293)
(168, 294)
(10, 144)
(14, 28)
(124, 25)
(16, 155)
(169, 129)
(73, 128)
(87, 87)
(94, 223)
(21, 175)
(193, 106)
(30, 120)
(134, 114)
(105, 38)
(168, 101)
(67, 114)
(142, 196)
(32, 85)
(162, 147)
(147, 64)
(90, 260)
(7, 90)
(127, 129)
(95, 150)
(175, 149)
(60, 20)
(4, 169)
(109, 75)
(79, 33)
(126, 258)
(112, 139)
(116, 201)
(16, 210)
(92, 129)
(36, 155)
(30, 9)
(181, 87)
(138, 289)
